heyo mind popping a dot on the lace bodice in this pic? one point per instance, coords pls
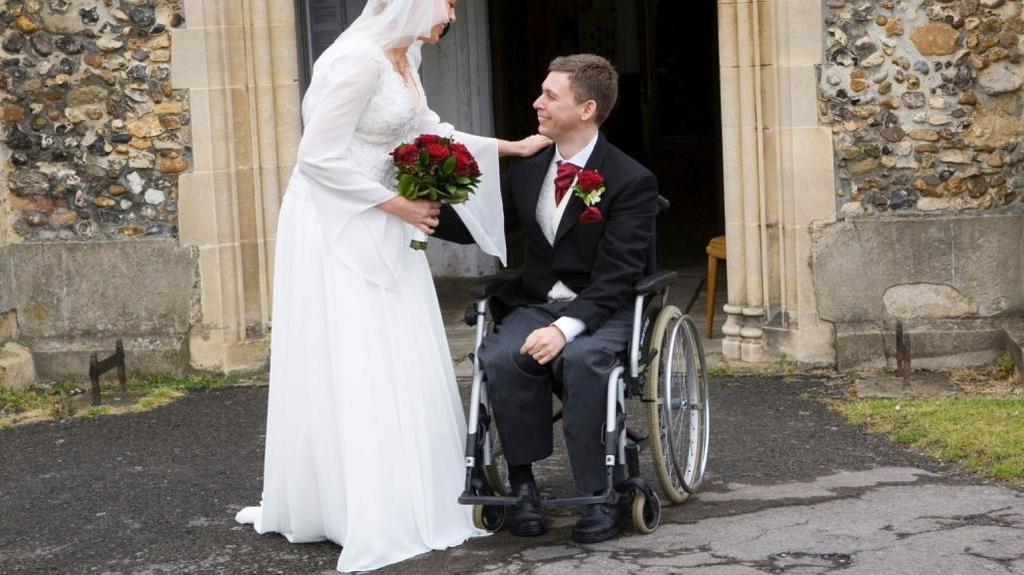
(390, 118)
(356, 110)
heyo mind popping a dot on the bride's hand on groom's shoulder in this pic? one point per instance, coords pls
(533, 145)
(524, 148)
(422, 214)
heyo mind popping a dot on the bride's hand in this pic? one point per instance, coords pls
(523, 148)
(533, 145)
(421, 214)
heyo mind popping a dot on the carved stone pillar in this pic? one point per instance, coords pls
(779, 177)
(239, 60)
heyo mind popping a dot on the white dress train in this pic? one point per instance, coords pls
(365, 426)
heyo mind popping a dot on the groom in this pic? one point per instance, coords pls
(568, 316)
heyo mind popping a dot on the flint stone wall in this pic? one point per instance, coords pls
(95, 134)
(924, 99)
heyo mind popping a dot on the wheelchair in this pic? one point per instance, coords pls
(663, 367)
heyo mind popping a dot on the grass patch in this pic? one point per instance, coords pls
(984, 433)
(783, 368)
(97, 410)
(159, 397)
(67, 399)
(1005, 368)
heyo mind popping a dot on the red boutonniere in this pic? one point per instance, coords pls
(589, 188)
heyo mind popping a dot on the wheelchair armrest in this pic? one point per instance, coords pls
(663, 204)
(655, 283)
(493, 286)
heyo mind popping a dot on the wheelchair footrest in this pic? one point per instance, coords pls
(578, 501)
(495, 500)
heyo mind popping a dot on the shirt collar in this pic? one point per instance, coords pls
(582, 157)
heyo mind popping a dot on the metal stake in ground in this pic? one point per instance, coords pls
(98, 368)
(903, 354)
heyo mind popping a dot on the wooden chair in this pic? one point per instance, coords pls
(716, 251)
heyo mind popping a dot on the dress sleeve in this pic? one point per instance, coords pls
(348, 84)
(341, 193)
(483, 214)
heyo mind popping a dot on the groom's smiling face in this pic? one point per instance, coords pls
(558, 112)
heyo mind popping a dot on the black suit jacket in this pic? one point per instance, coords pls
(599, 261)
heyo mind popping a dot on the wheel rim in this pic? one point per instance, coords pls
(659, 412)
(701, 399)
(685, 408)
(675, 399)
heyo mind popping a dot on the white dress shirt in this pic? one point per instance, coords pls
(549, 216)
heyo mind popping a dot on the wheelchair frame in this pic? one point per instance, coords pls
(622, 444)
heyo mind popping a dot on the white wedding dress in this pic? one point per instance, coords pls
(365, 426)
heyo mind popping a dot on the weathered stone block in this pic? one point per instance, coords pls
(855, 263)
(17, 370)
(927, 301)
(74, 298)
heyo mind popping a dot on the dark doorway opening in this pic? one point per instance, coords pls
(668, 115)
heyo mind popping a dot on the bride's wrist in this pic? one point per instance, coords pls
(391, 206)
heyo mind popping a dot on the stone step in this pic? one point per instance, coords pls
(1014, 330)
(935, 345)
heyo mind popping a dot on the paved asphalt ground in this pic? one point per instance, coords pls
(791, 489)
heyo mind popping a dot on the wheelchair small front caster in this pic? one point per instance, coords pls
(489, 517)
(646, 511)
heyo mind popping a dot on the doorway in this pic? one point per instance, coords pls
(668, 115)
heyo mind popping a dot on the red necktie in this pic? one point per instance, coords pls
(566, 174)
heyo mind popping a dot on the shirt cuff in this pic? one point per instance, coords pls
(570, 327)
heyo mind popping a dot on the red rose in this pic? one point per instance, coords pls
(590, 180)
(426, 139)
(406, 156)
(591, 215)
(438, 152)
(465, 165)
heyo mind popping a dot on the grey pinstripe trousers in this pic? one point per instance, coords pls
(520, 389)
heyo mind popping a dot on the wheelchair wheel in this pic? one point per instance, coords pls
(700, 412)
(497, 472)
(489, 517)
(678, 416)
(646, 511)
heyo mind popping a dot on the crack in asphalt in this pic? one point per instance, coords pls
(953, 522)
(1005, 563)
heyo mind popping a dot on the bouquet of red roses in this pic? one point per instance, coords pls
(437, 169)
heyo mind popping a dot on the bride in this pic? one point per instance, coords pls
(365, 426)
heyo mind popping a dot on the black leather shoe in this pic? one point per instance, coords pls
(527, 519)
(603, 521)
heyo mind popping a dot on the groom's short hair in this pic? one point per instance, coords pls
(591, 78)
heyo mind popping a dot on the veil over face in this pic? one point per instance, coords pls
(396, 23)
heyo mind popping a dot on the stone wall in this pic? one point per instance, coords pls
(97, 134)
(924, 100)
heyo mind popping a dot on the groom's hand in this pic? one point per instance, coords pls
(544, 344)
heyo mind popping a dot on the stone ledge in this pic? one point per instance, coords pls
(17, 369)
(69, 356)
(935, 345)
